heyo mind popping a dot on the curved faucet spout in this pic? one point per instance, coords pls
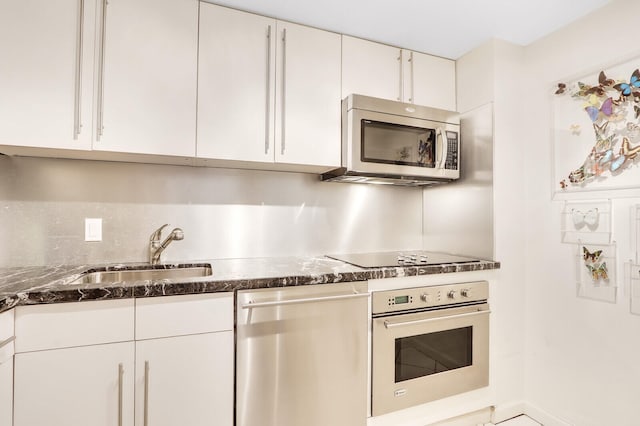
(156, 247)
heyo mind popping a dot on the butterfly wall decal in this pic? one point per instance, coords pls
(627, 151)
(611, 105)
(590, 257)
(606, 109)
(598, 272)
(589, 218)
(630, 88)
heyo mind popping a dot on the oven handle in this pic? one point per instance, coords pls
(389, 324)
(251, 304)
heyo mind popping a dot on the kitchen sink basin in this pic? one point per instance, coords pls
(128, 275)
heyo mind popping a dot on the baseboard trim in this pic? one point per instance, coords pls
(544, 417)
(515, 409)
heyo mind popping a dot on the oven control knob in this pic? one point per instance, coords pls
(452, 294)
(425, 297)
(465, 292)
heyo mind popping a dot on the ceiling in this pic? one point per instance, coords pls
(447, 28)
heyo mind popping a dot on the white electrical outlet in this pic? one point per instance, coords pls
(92, 229)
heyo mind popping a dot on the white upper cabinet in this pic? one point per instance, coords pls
(371, 69)
(147, 77)
(429, 80)
(387, 72)
(308, 96)
(268, 91)
(46, 73)
(236, 85)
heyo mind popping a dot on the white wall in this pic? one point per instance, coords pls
(582, 355)
(224, 213)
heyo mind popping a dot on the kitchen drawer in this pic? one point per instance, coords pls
(6, 336)
(65, 325)
(181, 315)
(6, 325)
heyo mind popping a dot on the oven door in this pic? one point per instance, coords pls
(421, 357)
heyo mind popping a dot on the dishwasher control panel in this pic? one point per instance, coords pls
(430, 296)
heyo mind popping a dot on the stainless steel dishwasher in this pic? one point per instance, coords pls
(302, 356)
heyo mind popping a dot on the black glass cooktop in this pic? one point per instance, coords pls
(400, 258)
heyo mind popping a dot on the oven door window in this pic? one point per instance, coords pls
(431, 353)
(398, 144)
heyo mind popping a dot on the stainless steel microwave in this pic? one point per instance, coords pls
(396, 143)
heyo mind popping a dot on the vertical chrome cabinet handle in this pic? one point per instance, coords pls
(400, 75)
(146, 393)
(100, 122)
(284, 82)
(120, 389)
(77, 119)
(268, 106)
(411, 100)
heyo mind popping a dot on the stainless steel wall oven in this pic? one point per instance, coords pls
(428, 343)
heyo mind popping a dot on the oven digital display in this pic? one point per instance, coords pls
(401, 299)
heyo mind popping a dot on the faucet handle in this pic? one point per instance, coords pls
(157, 233)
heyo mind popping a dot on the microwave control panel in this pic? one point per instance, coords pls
(451, 162)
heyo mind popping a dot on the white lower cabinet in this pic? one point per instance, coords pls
(6, 392)
(154, 362)
(6, 368)
(88, 385)
(186, 380)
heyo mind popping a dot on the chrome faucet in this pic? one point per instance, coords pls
(156, 247)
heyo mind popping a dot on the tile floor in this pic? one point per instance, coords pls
(518, 421)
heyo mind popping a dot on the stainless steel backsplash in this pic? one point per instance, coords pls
(224, 213)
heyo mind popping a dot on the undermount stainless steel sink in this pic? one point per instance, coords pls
(128, 275)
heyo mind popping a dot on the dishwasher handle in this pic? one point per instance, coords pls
(251, 304)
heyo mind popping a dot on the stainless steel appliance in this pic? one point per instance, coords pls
(428, 343)
(396, 143)
(302, 356)
(400, 258)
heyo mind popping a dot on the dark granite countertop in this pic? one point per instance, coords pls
(53, 284)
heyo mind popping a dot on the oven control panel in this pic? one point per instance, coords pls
(428, 297)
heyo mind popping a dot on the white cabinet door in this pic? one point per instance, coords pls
(382, 71)
(46, 51)
(236, 78)
(6, 367)
(149, 76)
(261, 79)
(429, 80)
(185, 380)
(371, 69)
(89, 385)
(307, 96)
(6, 392)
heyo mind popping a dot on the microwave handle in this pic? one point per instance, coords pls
(444, 148)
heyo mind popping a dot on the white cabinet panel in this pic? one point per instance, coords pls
(185, 380)
(149, 77)
(40, 327)
(382, 71)
(181, 315)
(6, 392)
(308, 96)
(6, 368)
(46, 73)
(371, 69)
(75, 387)
(268, 91)
(430, 81)
(236, 78)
